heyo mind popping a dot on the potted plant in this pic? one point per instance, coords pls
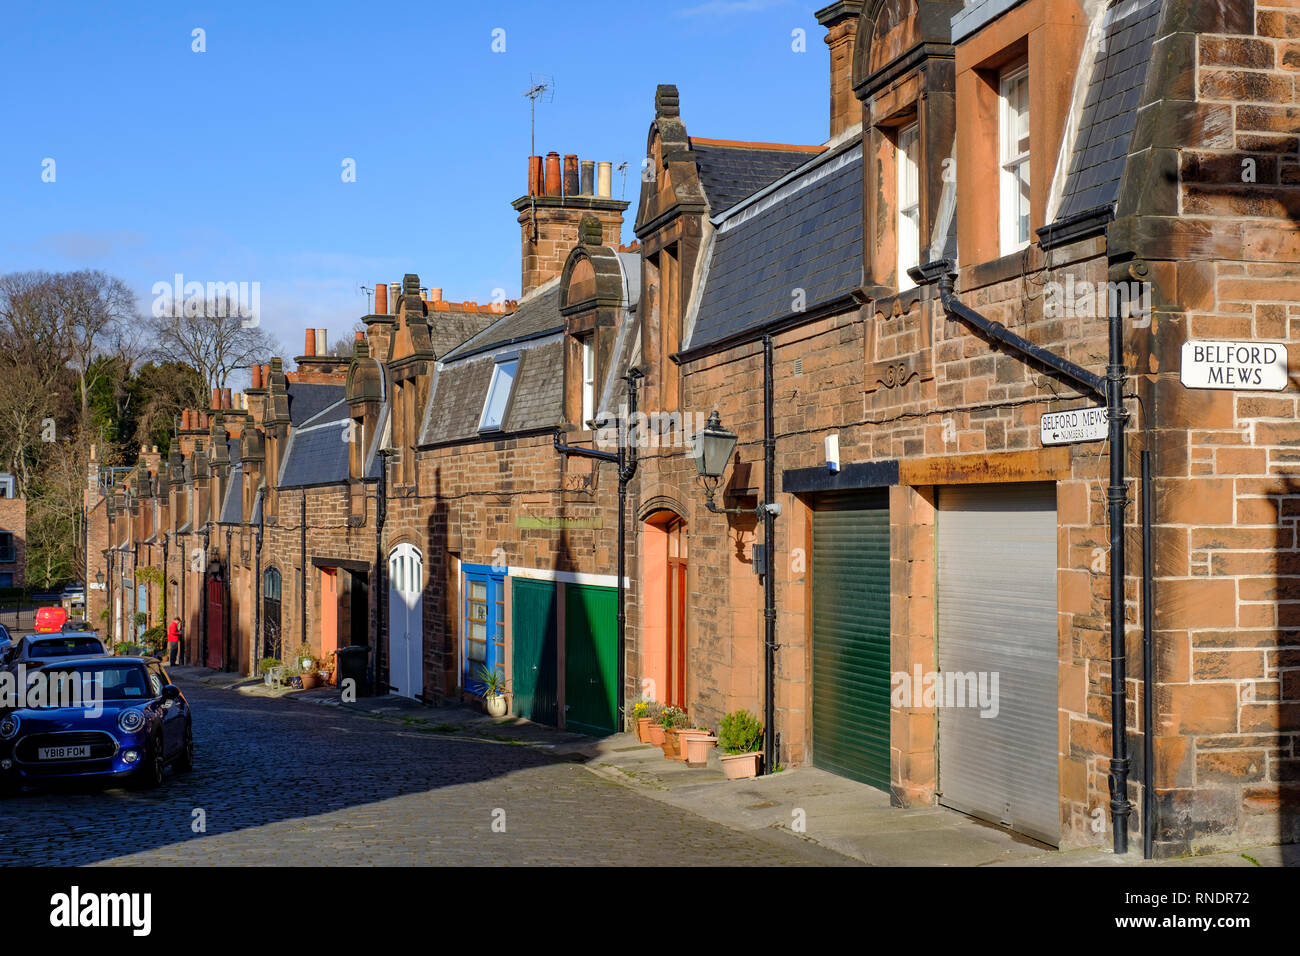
(656, 730)
(672, 719)
(494, 694)
(740, 736)
(325, 667)
(271, 670)
(698, 746)
(639, 718)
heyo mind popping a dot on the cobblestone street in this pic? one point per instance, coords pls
(284, 783)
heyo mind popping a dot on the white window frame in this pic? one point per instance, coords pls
(499, 376)
(588, 378)
(6, 485)
(908, 173)
(1011, 160)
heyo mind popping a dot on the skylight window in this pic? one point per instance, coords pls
(494, 409)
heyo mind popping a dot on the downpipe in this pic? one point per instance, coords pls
(1110, 390)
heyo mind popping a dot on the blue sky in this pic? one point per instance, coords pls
(226, 165)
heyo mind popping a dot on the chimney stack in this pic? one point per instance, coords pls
(559, 198)
(841, 23)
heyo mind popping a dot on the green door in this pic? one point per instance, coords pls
(850, 634)
(590, 659)
(533, 631)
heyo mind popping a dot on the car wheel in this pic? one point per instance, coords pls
(185, 759)
(150, 774)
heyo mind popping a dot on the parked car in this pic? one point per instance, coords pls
(6, 642)
(50, 619)
(138, 725)
(71, 625)
(32, 648)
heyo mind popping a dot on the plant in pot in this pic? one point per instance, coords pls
(325, 667)
(494, 693)
(305, 659)
(740, 737)
(271, 670)
(656, 730)
(672, 719)
(645, 714)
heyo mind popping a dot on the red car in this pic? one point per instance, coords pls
(49, 620)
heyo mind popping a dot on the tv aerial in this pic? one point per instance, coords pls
(541, 87)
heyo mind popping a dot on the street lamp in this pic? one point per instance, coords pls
(714, 446)
(99, 580)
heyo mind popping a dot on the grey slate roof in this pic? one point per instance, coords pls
(732, 173)
(317, 453)
(232, 509)
(807, 235)
(537, 314)
(307, 401)
(453, 327)
(1110, 106)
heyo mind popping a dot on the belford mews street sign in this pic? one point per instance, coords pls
(1242, 365)
(1078, 424)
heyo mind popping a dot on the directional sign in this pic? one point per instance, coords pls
(1248, 366)
(1079, 424)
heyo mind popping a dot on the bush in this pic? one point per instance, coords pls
(741, 733)
(154, 639)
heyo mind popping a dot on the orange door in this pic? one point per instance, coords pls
(329, 610)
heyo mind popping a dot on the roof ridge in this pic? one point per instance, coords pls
(742, 144)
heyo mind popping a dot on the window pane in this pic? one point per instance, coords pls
(909, 210)
(494, 410)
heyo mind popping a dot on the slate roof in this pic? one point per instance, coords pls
(317, 453)
(307, 401)
(232, 509)
(450, 328)
(537, 314)
(807, 235)
(732, 172)
(1110, 106)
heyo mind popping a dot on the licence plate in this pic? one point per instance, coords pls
(62, 753)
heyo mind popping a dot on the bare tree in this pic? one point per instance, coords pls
(211, 337)
(96, 312)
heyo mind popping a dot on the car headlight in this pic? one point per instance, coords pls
(9, 726)
(130, 720)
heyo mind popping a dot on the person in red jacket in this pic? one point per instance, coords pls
(173, 640)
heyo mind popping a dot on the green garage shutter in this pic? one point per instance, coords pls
(850, 634)
(590, 659)
(534, 667)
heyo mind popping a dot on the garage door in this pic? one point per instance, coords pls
(533, 631)
(850, 633)
(590, 659)
(997, 617)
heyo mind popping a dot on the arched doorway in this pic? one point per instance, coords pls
(405, 621)
(663, 662)
(271, 614)
(216, 622)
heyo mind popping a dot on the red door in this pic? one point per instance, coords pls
(676, 618)
(216, 629)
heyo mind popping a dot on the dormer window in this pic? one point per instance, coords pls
(588, 379)
(498, 396)
(1014, 154)
(909, 202)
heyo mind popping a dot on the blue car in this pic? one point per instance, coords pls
(102, 718)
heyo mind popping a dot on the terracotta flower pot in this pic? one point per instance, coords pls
(643, 729)
(656, 733)
(740, 766)
(671, 745)
(697, 749)
(680, 737)
(309, 681)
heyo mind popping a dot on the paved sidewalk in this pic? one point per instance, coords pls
(810, 804)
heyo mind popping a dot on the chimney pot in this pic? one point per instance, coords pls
(322, 342)
(226, 400)
(587, 186)
(256, 377)
(216, 398)
(394, 293)
(552, 174)
(571, 174)
(435, 295)
(536, 180)
(309, 347)
(381, 299)
(604, 170)
(359, 337)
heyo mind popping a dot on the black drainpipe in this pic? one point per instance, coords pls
(380, 597)
(257, 594)
(227, 603)
(1110, 390)
(1148, 663)
(203, 601)
(769, 564)
(302, 522)
(627, 466)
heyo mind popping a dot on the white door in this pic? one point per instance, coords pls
(998, 620)
(405, 621)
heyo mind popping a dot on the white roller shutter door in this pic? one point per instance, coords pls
(997, 614)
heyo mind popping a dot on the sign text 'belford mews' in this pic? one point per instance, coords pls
(1240, 365)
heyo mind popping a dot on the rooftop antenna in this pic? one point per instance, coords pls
(541, 86)
(622, 181)
(368, 291)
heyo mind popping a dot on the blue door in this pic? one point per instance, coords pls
(142, 606)
(484, 625)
